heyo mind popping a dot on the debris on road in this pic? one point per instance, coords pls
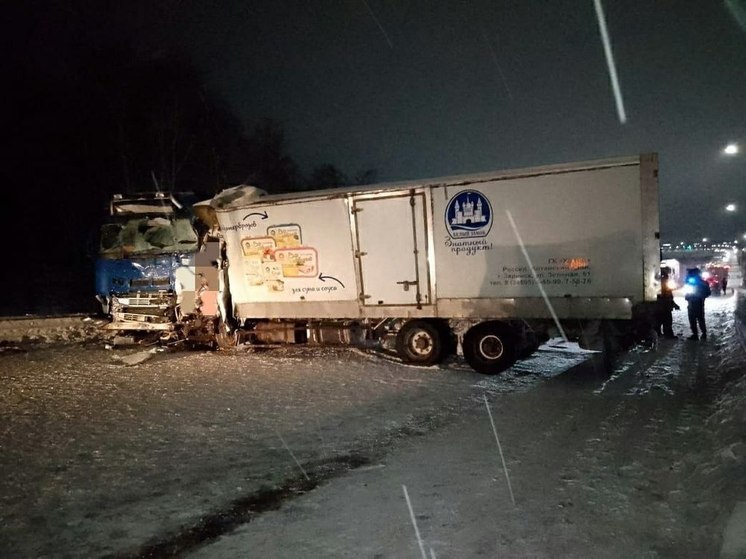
(139, 357)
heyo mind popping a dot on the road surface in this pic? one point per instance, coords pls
(303, 452)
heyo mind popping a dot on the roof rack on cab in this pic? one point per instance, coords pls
(164, 203)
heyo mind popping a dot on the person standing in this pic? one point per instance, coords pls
(665, 307)
(724, 283)
(697, 290)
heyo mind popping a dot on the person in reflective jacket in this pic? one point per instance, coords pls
(696, 291)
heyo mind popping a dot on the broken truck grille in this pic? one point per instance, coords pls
(144, 282)
(148, 302)
(129, 317)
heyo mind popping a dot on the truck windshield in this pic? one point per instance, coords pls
(145, 235)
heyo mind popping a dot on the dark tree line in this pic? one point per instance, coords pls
(171, 132)
(157, 125)
(165, 130)
(106, 120)
(120, 121)
(270, 167)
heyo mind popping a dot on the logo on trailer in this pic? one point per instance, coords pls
(468, 214)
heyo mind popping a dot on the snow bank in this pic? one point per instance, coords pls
(37, 329)
(728, 422)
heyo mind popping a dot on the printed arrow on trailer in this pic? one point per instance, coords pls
(263, 215)
(322, 277)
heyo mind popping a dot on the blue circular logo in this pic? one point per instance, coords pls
(468, 215)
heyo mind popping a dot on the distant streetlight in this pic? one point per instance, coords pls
(704, 239)
(730, 149)
(730, 208)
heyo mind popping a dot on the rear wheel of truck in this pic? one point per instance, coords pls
(420, 342)
(490, 347)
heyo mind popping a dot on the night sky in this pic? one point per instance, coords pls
(432, 88)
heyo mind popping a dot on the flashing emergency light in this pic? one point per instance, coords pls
(691, 280)
(706, 275)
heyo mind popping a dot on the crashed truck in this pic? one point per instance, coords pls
(151, 265)
(486, 265)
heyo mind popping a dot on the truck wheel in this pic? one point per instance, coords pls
(489, 347)
(420, 342)
(224, 340)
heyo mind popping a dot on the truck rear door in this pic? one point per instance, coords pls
(392, 249)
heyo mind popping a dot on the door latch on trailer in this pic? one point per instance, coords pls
(406, 284)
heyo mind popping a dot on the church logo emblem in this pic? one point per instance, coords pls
(468, 215)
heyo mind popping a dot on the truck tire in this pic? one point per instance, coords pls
(420, 342)
(490, 347)
(224, 340)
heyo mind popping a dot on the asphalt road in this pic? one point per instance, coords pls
(189, 452)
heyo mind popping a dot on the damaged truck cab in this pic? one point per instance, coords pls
(146, 276)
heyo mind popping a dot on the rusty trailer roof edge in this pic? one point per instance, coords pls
(454, 180)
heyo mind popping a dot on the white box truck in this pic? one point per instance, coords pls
(488, 264)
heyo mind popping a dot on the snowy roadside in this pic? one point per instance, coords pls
(17, 333)
(104, 459)
(650, 464)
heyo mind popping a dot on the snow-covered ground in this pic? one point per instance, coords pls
(302, 452)
(53, 329)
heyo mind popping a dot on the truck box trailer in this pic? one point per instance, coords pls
(474, 262)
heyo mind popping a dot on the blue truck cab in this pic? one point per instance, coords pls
(145, 260)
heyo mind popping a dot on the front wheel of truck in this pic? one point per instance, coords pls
(490, 347)
(224, 339)
(420, 342)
